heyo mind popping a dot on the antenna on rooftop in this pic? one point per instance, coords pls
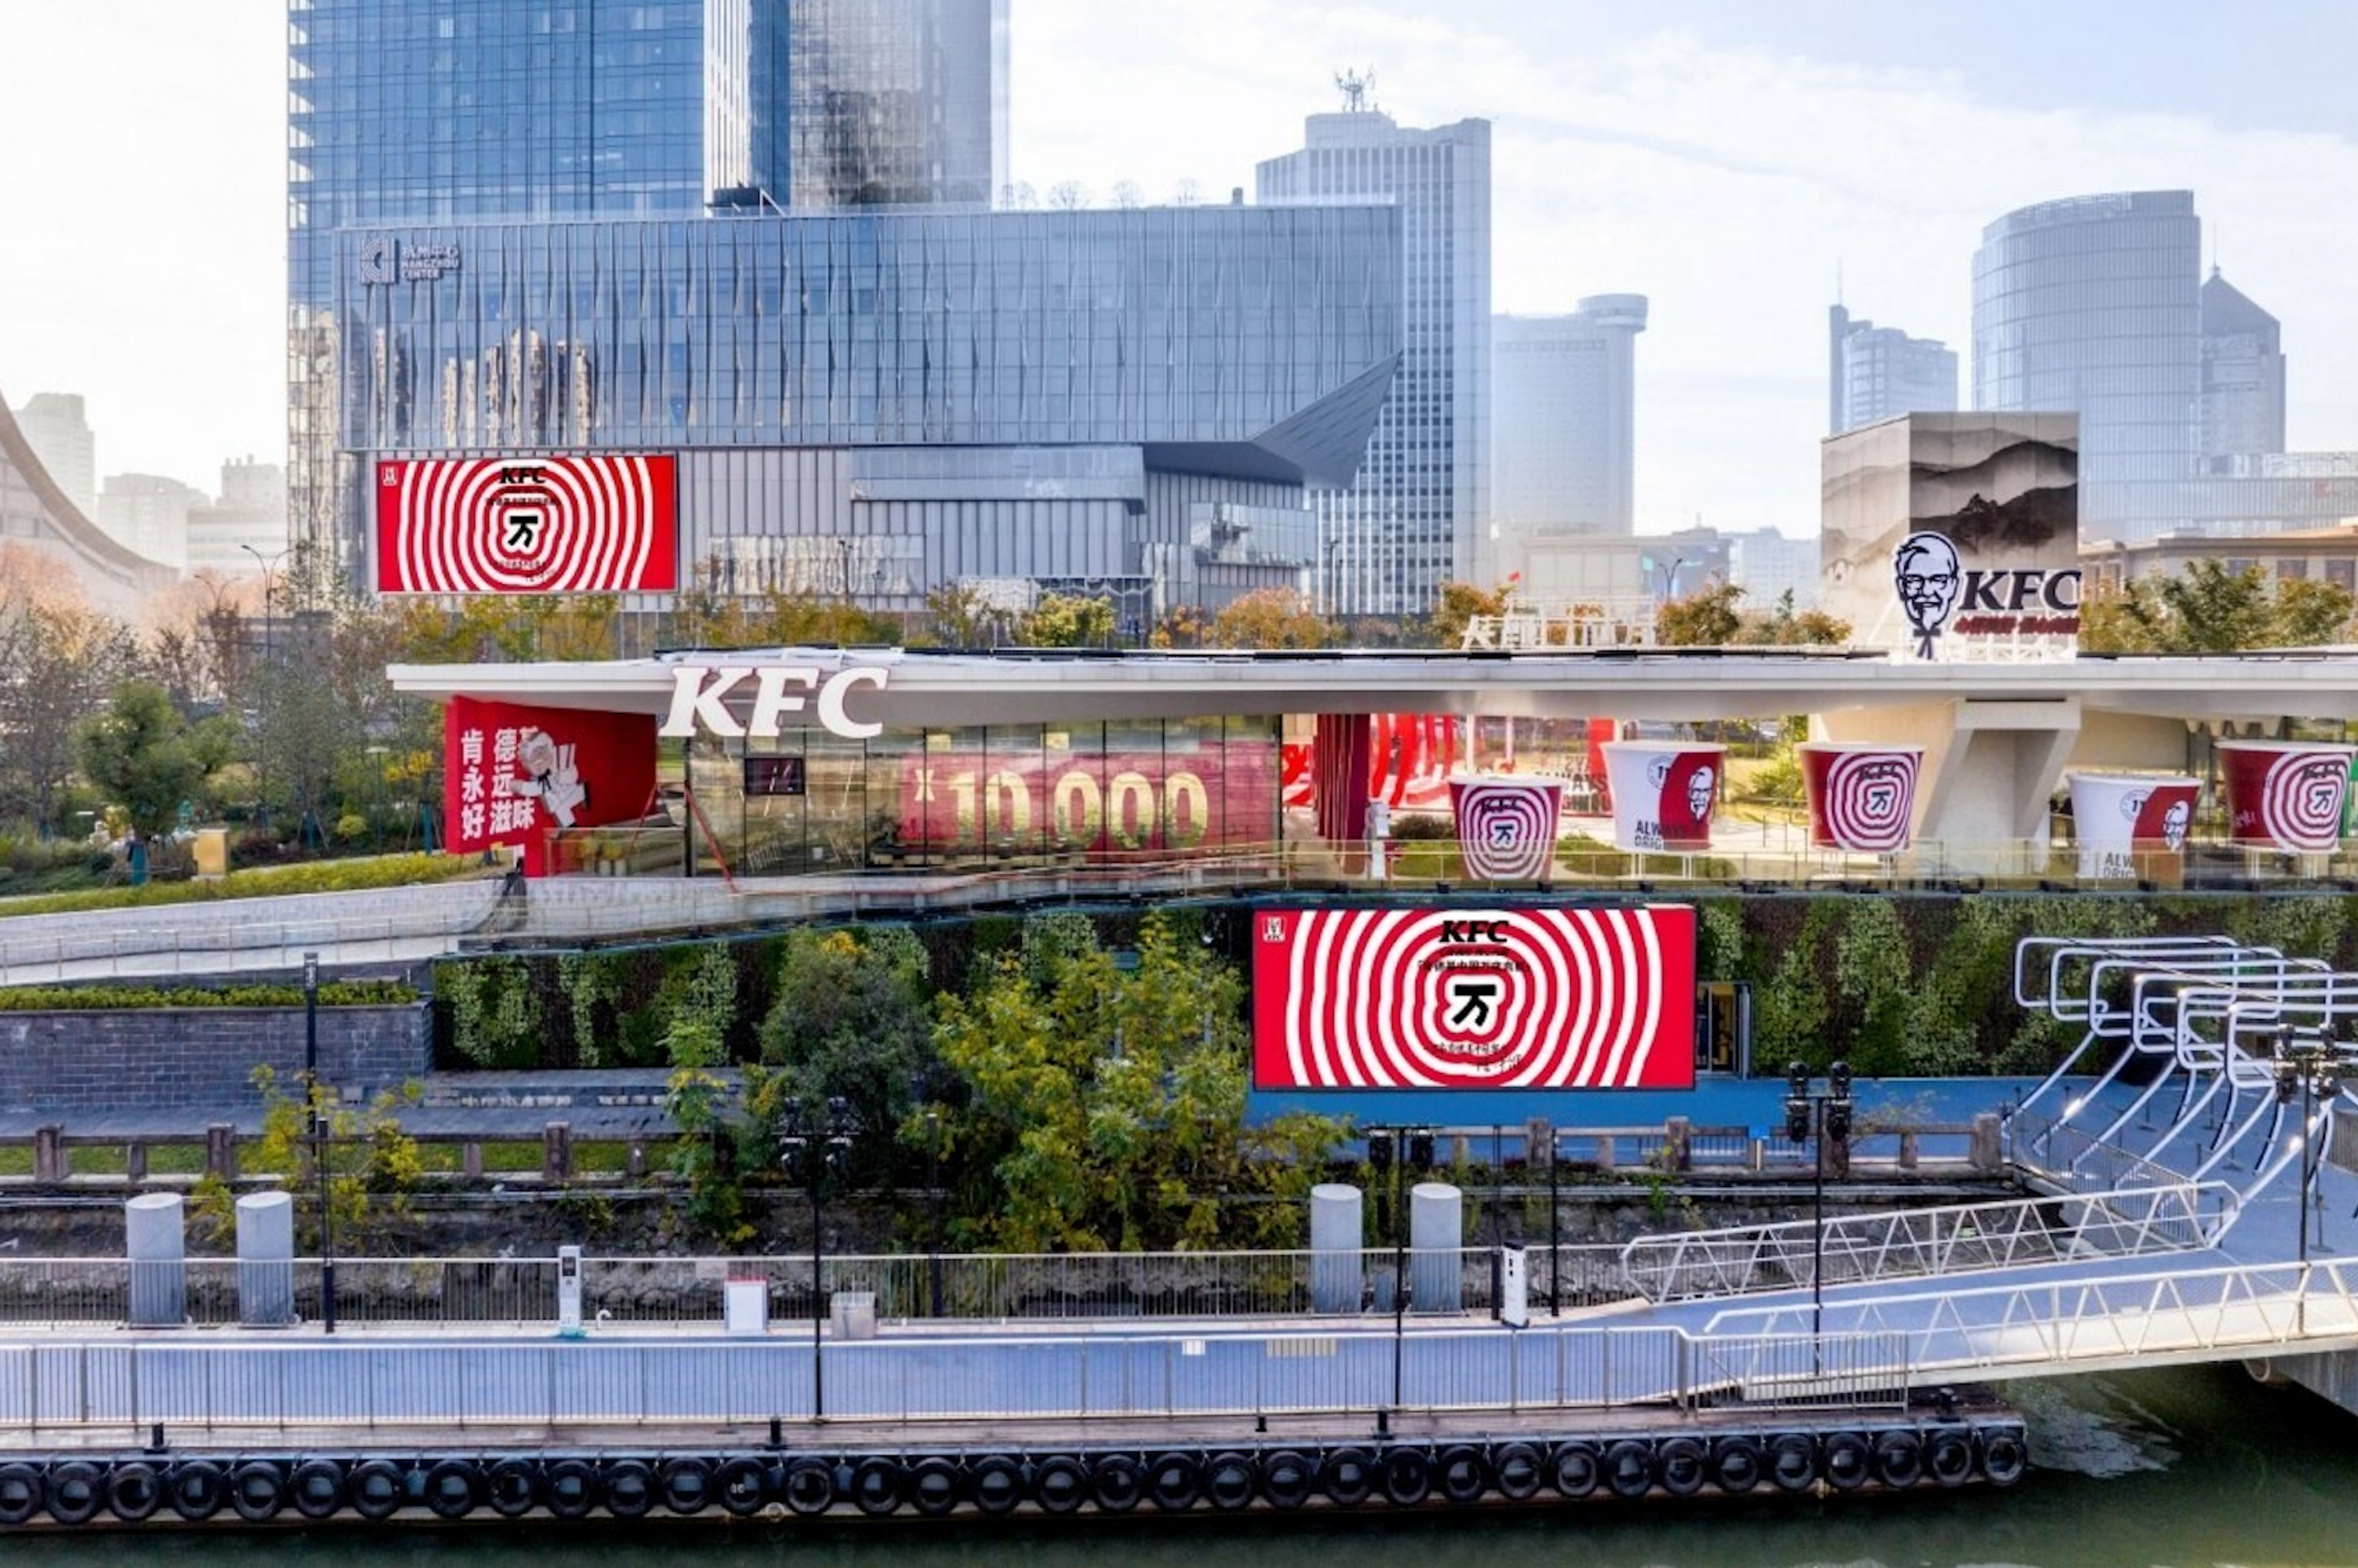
(1354, 87)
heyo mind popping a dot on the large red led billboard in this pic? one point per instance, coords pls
(581, 525)
(1474, 998)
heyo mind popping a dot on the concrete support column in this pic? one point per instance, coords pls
(1985, 1152)
(1338, 1236)
(221, 1152)
(1436, 1230)
(50, 1167)
(155, 1240)
(266, 1260)
(1678, 1143)
(557, 1151)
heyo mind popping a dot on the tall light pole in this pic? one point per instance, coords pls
(319, 1138)
(268, 564)
(817, 1156)
(1812, 1116)
(2304, 1068)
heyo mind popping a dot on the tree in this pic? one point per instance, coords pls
(1067, 620)
(854, 1018)
(137, 754)
(1108, 1107)
(1272, 618)
(2209, 608)
(56, 665)
(959, 615)
(1707, 618)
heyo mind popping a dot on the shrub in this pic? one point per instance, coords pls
(133, 998)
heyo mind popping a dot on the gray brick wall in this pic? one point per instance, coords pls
(163, 1059)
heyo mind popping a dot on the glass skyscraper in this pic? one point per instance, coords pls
(1413, 518)
(1880, 372)
(403, 113)
(2091, 304)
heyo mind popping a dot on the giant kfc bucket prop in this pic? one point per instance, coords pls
(1505, 826)
(1664, 792)
(2283, 794)
(2133, 825)
(1862, 797)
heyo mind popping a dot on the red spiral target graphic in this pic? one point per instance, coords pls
(2302, 800)
(542, 524)
(1540, 999)
(1506, 828)
(1860, 799)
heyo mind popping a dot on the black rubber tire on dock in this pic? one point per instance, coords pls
(1736, 1466)
(1949, 1456)
(685, 1484)
(317, 1488)
(1348, 1476)
(809, 1486)
(1173, 1482)
(995, 1484)
(1060, 1484)
(1629, 1469)
(1462, 1474)
(73, 1491)
(1288, 1479)
(377, 1488)
(1849, 1461)
(1682, 1465)
(741, 1486)
(512, 1486)
(20, 1493)
(196, 1489)
(1574, 1469)
(568, 1488)
(935, 1485)
(134, 1491)
(1230, 1481)
(1899, 1460)
(2005, 1456)
(627, 1486)
(1407, 1476)
(454, 1487)
(1517, 1469)
(257, 1490)
(1117, 1481)
(1792, 1461)
(878, 1487)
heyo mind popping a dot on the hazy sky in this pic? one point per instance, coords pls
(1725, 157)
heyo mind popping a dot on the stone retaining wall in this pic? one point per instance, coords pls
(160, 1058)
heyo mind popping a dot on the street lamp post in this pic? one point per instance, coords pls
(815, 1157)
(1813, 1117)
(1391, 1151)
(934, 1197)
(268, 565)
(319, 1140)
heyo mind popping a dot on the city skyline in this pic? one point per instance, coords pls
(1724, 164)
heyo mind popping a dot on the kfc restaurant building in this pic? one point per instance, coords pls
(805, 761)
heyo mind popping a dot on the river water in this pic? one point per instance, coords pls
(2161, 1469)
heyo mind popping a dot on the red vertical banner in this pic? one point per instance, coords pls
(1340, 772)
(514, 776)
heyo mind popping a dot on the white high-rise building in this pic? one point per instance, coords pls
(1564, 397)
(58, 425)
(148, 514)
(246, 530)
(1413, 518)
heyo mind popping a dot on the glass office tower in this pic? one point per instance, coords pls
(1421, 503)
(403, 112)
(2092, 304)
(1563, 412)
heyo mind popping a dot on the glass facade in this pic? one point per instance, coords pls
(1003, 796)
(405, 113)
(1410, 521)
(2091, 304)
(1564, 419)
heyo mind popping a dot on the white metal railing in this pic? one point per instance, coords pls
(688, 1292)
(387, 1384)
(2056, 1325)
(1929, 1243)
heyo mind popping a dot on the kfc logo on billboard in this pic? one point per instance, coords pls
(1556, 999)
(543, 524)
(697, 692)
(1937, 594)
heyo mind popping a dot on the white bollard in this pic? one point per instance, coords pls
(266, 1260)
(155, 1238)
(1436, 1230)
(1336, 1238)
